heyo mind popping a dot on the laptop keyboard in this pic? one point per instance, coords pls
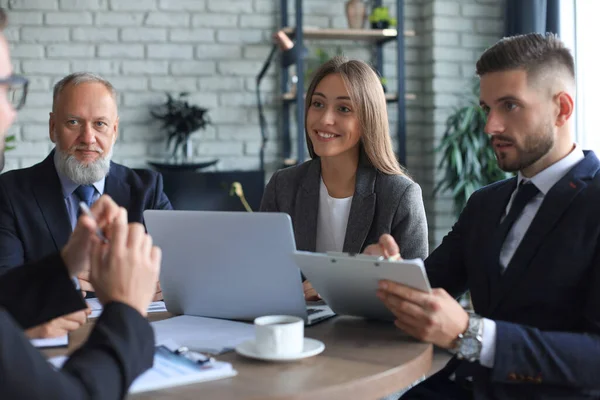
(312, 311)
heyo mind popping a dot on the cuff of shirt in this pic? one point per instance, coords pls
(488, 345)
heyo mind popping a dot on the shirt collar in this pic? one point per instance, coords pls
(544, 180)
(68, 186)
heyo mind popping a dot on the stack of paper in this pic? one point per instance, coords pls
(96, 306)
(61, 341)
(207, 335)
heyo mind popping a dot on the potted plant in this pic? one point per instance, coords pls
(380, 18)
(7, 140)
(383, 83)
(313, 63)
(180, 120)
(468, 160)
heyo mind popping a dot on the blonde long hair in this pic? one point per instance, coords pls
(366, 94)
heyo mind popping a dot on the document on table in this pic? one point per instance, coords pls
(207, 335)
(94, 304)
(61, 341)
(171, 369)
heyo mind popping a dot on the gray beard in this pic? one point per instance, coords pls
(79, 173)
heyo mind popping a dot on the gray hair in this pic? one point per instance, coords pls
(81, 77)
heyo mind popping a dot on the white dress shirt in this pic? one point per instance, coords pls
(544, 181)
(332, 221)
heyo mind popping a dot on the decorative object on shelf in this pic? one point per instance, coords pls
(180, 120)
(356, 13)
(468, 160)
(237, 190)
(380, 18)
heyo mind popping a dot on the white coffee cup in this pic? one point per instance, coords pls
(279, 335)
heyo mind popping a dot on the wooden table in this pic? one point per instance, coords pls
(362, 360)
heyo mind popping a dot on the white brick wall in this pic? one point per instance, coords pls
(214, 49)
(455, 34)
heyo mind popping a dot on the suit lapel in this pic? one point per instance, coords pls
(47, 191)
(117, 189)
(555, 203)
(362, 209)
(307, 207)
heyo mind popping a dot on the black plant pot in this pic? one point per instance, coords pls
(380, 25)
(191, 166)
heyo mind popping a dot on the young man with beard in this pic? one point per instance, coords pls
(124, 273)
(527, 248)
(39, 205)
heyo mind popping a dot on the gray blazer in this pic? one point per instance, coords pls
(381, 204)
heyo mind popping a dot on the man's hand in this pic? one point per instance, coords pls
(386, 247)
(76, 252)
(310, 294)
(431, 317)
(59, 326)
(84, 281)
(126, 269)
(158, 295)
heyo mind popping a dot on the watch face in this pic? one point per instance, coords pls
(469, 347)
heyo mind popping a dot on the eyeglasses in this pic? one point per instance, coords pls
(16, 91)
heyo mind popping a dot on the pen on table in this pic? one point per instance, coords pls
(194, 356)
(85, 209)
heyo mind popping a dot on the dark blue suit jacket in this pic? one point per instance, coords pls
(33, 217)
(119, 348)
(547, 303)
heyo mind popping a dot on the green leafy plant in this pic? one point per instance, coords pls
(8, 142)
(468, 160)
(313, 63)
(380, 18)
(383, 83)
(179, 120)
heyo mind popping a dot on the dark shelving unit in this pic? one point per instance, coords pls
(378, 37)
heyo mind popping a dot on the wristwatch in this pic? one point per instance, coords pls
(469, 343)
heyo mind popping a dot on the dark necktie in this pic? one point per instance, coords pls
(525, 193)
(86, 193)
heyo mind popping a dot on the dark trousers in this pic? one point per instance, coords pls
(438, 386)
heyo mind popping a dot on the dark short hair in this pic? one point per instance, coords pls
(532, 52)
(3, 19)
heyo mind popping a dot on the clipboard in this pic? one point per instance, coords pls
(348, 282)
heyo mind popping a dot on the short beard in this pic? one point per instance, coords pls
(80, 173)
(534, 148)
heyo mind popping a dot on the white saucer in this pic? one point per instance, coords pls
(312, 347)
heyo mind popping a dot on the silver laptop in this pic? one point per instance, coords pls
(230, 265)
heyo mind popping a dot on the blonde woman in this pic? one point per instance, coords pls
(353, 190)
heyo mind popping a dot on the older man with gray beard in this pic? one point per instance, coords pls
(39, 205)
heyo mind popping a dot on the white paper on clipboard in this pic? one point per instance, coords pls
(348, 283)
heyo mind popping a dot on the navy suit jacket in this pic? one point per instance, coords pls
(547, 303)
(119, 348)
(33, 217)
